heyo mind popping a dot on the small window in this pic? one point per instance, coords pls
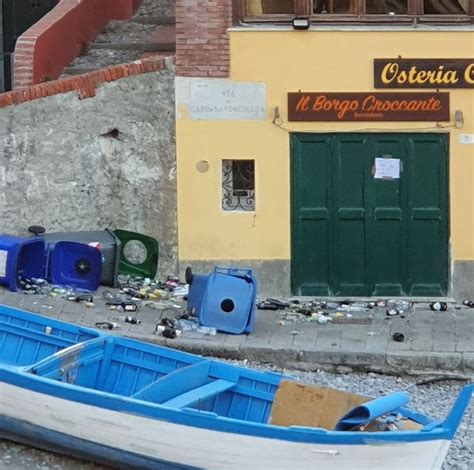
(238, 185)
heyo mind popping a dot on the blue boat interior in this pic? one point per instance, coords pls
(85, 358)
(94, 360)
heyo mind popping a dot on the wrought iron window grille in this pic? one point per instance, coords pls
(238, 185)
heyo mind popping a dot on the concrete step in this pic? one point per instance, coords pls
(163, 35)
(158, 20)
(136, 46)
(162, 39)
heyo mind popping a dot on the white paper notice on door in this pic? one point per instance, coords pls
(3, 263)
(387, 168)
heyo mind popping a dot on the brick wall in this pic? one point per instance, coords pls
(42, 52)
(202, 41)
(85, 84)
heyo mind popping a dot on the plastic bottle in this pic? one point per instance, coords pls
(190, 325)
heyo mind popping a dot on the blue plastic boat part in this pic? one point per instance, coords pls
(368, 412)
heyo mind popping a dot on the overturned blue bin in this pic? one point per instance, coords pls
(104, 240)
(20, 257)
(67, 263)
(76, 265)
(224, 299)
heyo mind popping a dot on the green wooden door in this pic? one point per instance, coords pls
(353, 234)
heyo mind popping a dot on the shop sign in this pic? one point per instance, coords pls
(368, 106)
(424, 73)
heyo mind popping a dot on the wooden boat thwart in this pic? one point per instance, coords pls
(127, 403)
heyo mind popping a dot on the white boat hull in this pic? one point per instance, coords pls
(202, 448)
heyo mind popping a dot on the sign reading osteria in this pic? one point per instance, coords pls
(424, 73)
(312, 106)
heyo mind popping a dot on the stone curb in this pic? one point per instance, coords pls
(400, 362)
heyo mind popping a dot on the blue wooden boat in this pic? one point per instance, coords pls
(117, 401)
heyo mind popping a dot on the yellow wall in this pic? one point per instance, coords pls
(308, 61)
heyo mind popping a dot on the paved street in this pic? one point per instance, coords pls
(434, 341)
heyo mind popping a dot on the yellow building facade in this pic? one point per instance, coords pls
(277, 60)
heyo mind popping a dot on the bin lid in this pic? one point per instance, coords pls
(76, 264)
(145, 267)
(20, 256)
(105, 240)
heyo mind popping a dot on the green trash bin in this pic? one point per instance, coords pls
(138, 254)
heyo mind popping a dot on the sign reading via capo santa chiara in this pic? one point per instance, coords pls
(368, 106)
(424, 73)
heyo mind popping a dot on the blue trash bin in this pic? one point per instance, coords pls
(197, 287)
(66, 263)
(105, 240)
(76, 265)
(225, 299)
(21, 257)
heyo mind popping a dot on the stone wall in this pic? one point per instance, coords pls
(88, 164)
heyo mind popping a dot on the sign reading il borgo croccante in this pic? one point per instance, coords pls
(424, 73)
(368, 106)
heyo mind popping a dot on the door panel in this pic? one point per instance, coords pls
(387, 223)
(428, 214)
(353, 234)
(350, 264)
(311, 216)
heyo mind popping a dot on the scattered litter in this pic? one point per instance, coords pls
(125, 306)
(400, 304)
(439, 306)
(167, 332)
(392, 312)
(398, 337)
(82, 298)
(167, 328)
(272, 304)
(184, 324)
(181, 291)
(108, 296)
(468, 303)
(334, 453)
(107, 325)
(132, 320)
(324, 320)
